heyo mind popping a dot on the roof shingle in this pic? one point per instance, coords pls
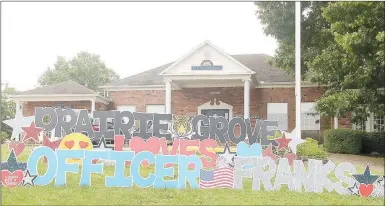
(256, 62)
(67, 87)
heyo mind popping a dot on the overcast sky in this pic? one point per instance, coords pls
(130, 37)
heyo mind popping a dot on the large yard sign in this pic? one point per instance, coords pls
(192, 161)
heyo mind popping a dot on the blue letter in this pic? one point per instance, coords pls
(186, 174)
(52, 164)
(135, 169)
(162, 172)
(118, 180)
(88, 167)
(63, 167)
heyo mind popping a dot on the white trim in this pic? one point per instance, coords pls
(221, 105)
(132, 86)
(261, 84)
(136, 88)
(209, 77)
(52, 95)
(207, 74)
(200, 46)
(60, 97)
(178, 87)
(240, 84)
(286, 84)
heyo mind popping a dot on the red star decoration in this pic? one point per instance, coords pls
(32, 132)
(291, 157)
(283, 142)
(268, 152)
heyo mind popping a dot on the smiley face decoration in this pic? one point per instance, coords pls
(75, 141)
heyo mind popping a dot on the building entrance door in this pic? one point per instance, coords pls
(216, 112)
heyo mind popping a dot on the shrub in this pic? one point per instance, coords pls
(346, 141)
(310, 149)
(3, 136)
(374, 142)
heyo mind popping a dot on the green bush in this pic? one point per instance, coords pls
(345, 141)
(310, 149)
(3, 136)
(374, 142)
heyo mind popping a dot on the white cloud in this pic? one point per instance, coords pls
(130, 36)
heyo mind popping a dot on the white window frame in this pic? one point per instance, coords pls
(364, 126)
(378, 118)
(369, 124)
(157, 105)
(307, 120)
(221, 105)
(131, 108)
(278, 112)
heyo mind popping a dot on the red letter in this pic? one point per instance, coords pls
(212, 155)
(165, 151)
(184, 143)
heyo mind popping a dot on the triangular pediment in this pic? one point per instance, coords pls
(206, 59)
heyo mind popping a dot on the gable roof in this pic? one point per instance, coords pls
(255, 62)
(213, 47)
(66, 87)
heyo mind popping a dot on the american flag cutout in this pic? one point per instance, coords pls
(217, 178)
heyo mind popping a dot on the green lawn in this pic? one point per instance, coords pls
(98, 194)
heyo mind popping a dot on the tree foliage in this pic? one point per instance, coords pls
(8, 107)
(85, 68)
(342, 47)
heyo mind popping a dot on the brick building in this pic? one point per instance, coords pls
(204, 81)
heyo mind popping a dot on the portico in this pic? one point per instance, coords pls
(207, 67)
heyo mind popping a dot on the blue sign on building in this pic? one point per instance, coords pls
(207, 65)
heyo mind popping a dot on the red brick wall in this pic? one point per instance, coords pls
(139, 98)
(29, 107)
(186, 101)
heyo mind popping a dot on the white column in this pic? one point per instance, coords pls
(335, 122)
(298, 69)
(17, 106)
(92, 106)
(168, 96)
(246, 98)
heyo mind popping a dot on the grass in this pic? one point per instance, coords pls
(98, 194)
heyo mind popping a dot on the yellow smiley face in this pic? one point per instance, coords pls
(75, 141)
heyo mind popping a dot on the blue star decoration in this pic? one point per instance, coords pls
(11, 164)
(28, 179)
(366, 177)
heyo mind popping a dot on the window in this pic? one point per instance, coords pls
(130, 108)
(360, 126)
(310, 118)
(378, 123)
(278, 112)
(156, 108)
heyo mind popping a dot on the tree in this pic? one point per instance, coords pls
(85, 68)
(342, 46)
(8, 108)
